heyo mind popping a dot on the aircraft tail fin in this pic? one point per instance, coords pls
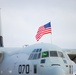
(1, 41)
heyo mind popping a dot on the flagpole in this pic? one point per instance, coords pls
(51, 33)
(51, 38)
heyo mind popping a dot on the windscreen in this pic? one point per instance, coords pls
(53, 54)
(45, 54)
(49, 53)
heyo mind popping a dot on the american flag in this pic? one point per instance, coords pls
(45, 29)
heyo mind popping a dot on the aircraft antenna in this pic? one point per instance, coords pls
(1, 38)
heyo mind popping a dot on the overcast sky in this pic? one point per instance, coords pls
(21, 19)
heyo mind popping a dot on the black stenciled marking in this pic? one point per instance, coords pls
(23, 69)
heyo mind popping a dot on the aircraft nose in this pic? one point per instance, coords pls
(57, 71)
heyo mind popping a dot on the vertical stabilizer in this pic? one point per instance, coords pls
(1, 38)
(1, 41)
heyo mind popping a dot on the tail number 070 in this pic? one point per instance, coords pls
(23, 69)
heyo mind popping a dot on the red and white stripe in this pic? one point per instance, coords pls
(42, 31)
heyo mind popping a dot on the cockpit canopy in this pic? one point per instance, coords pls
(52, 54)
(37, 53)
